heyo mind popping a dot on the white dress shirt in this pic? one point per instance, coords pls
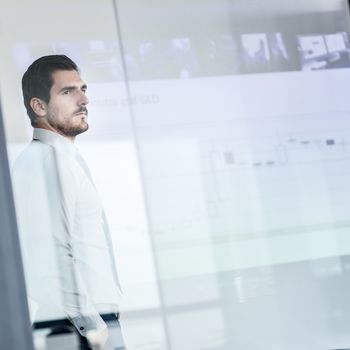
(66, 245)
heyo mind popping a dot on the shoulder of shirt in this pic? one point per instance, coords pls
(35, 151)
(38, 155)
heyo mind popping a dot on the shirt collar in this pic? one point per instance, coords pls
(55, 140)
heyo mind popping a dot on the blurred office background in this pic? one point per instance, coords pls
(220, 144)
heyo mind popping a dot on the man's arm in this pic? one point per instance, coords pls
(76, 301)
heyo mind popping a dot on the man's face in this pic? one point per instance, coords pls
(67, 113)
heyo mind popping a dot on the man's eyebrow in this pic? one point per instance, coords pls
(72, 88)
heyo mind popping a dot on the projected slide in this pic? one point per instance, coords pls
(238, 177)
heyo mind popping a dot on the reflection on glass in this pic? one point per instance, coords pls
(324, 51)
(244, 175)
(244, 162)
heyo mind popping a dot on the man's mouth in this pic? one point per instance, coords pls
(82, 111)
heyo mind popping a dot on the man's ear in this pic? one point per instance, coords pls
(39, 106)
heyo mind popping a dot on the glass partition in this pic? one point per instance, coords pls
(86, 32)
(218, 143)
(243, 147)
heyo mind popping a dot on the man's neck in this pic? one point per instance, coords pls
(52, 129)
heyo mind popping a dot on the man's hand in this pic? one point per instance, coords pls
(97, 338)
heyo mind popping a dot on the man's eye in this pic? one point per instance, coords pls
(66, 92)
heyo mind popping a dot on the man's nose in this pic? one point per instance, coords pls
(83, 100)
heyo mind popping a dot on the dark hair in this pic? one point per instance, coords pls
(37, 80)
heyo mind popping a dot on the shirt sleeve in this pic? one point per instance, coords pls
(76, 301)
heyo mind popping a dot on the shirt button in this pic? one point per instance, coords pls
(81, 328)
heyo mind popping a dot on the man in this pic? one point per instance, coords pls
(66, 245)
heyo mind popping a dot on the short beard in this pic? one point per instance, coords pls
(69, 131)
